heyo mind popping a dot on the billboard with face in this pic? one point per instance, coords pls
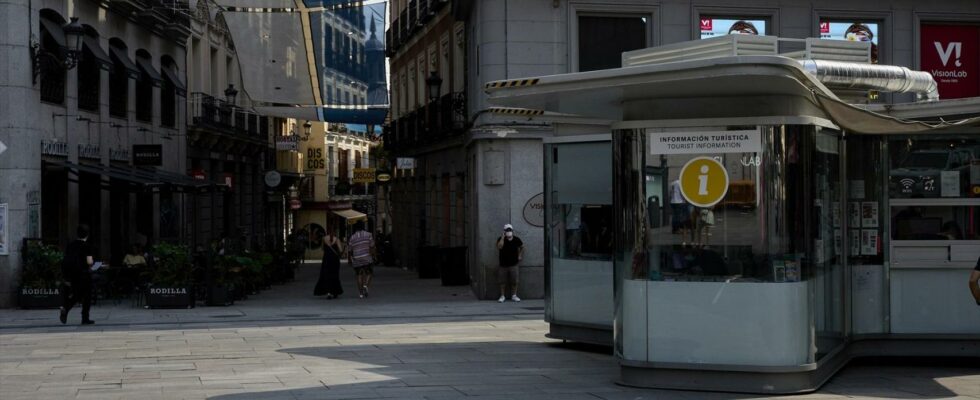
(713, 27)
(857, 31)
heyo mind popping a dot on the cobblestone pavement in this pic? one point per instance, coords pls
(410, 339)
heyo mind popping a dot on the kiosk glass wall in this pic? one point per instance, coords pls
(579, 234)
(753, 277)
(934, 217)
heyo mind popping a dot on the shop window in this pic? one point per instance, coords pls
(603, 38)
(858, 31)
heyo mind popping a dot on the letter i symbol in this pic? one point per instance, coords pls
(703, 181)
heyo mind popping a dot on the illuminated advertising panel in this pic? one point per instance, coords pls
(854, 31)
(951, 53)
(714, 27)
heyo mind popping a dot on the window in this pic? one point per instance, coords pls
(861, 31)
(603, 39)
(90, 71)
(168, 94)
(52, 74)
(122, 70)
(713, 27)
(144, 86)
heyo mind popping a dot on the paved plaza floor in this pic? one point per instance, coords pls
(412, 339)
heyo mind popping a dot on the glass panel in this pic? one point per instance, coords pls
(934, 168)
(935, 222)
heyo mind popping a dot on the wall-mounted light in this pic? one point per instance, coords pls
(73, 32)
(307, 129)
(433, 83)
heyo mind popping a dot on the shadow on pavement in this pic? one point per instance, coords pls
(525, 370)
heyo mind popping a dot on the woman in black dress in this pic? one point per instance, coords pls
(329, 283)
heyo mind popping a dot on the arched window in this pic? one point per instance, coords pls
(90, 67)
(171, 87)
(123, 69)
(149, 77)
(52, 57)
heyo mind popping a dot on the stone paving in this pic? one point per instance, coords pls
(412, 339)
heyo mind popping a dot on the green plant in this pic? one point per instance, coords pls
(42, 266)
(172, 265)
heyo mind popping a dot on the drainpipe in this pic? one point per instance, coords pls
(886, 78)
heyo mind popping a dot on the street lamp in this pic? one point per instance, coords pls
(307, 128)
(433, 83)
(230, 93)
(73, 39)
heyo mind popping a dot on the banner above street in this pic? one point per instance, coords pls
(314, 59)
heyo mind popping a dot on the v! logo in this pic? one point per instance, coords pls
(945, 53)
(706, 24)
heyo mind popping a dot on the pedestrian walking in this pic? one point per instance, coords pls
(329, 282)
(76, 270)
(361, 251)
(510, 250)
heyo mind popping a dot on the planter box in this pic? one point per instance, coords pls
(221, 295)
(170, 297)
(29, 297)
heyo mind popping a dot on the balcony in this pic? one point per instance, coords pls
(220, 125)
(442, 119)
(343, 189)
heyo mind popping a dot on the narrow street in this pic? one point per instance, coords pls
(411, 339)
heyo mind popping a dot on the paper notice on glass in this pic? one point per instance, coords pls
(854, 241)
(856, 188)
(836, 213)
(854, 214)
(950, 184)
(869, 214)
(869, 242)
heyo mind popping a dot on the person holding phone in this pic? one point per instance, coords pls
(510, 250)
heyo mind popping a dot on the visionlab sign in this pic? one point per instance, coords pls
(951, 53)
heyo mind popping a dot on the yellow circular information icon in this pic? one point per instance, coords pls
(704, 181)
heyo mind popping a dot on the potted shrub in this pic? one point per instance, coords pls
(170, 282)
(41, 278)
(222, 289)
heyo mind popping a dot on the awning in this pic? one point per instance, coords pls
(171, 74)
(138, 181)
(351, 216)
(147, 66)
(120, 54)
(92, 44)
(55, 30)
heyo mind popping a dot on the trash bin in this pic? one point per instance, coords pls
(430, 258)
(453, 269)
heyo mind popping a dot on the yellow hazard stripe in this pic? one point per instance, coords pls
(511, 83)
(515, 111)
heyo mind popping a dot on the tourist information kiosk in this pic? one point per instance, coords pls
(765, 228)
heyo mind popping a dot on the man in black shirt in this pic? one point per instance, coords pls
(76, 270)
(974, 277)
(510, 249)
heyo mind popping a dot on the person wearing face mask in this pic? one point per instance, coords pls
(510, 249)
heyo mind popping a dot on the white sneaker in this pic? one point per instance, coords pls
(515, 298)
(501, 299)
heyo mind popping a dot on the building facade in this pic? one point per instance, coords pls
(77, 128)
(484, 169)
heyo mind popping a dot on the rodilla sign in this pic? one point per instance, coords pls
(951, 53)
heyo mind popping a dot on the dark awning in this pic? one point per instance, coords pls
(131, 68)
(140, 182)
(175, 80)
(55, 30)
(147, 66)
(92, 44)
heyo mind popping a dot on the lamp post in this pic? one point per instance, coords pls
(307, 129)
(433, 83)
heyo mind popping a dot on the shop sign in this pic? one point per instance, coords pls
(951, 53)
(314, 159)
(405, 163)
(54, 148)
(295, 204)
(89, 151)
(384, 177)
(713, 142)
(290, 143)
(703, 181)
(148, 155)
(713, 27)
(118, 154)
(364, 175)
(198, 173)
(272, 179)
(534, 210)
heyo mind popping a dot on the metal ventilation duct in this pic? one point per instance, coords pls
(886, 78)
